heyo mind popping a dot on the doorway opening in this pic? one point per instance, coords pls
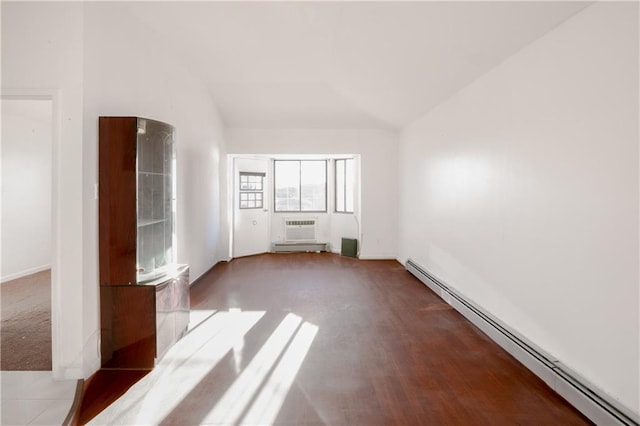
(27, 258)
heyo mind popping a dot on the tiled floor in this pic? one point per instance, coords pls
(34, 398)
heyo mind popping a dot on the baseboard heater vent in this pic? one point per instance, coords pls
(587, 398)
(293, 247)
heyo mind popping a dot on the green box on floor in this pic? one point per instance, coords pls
(349, 247)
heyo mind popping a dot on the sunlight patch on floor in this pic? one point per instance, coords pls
(268, 403)
(197, 317)
(154, 397)
(257, 394)
(235, 400)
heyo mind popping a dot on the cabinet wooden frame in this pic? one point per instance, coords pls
(139, 322)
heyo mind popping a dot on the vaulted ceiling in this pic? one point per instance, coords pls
(344, 64)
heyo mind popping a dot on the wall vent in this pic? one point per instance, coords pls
(297, 230)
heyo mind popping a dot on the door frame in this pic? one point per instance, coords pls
(231, 194)
(52, 95)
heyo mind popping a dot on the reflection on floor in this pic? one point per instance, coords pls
(34, 398)
(104, 388)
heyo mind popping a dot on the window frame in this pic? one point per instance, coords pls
(251, 191)
(335, 184)
(326, 186)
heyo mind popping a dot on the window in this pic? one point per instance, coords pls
(251, 181)
(251, 190)
(300, 185)
(344, 185)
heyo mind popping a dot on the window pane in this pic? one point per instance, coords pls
(257, 182)
(250, 182)
(243, 183)
(340, 185)
(313, 178)
(287, 185)
(349, 185)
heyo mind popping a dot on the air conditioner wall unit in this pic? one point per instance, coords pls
(300, 229)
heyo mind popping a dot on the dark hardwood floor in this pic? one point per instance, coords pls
(336, 341)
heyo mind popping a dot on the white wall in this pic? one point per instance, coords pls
(521, 192)
(42, 49)
(129, 72)
(378, 156)
(123, 71)
(26, 187)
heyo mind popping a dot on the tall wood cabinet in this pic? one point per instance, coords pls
(144, 294)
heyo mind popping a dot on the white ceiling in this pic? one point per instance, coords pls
(344, 64)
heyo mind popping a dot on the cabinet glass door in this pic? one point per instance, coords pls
(155, 199)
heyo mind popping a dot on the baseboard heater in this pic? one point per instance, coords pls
(296, 247)
(588, 399)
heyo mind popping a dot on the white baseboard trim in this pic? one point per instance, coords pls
(584, 396)
(192, 280)
(377, 257)
(91, 355)
(24, 273)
